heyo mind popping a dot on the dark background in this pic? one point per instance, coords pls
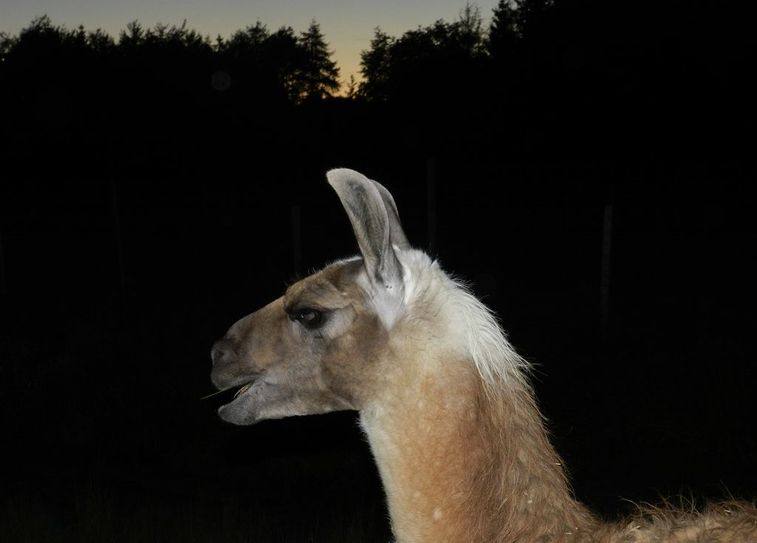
(156, 187)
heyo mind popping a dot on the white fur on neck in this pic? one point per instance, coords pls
(473, 327)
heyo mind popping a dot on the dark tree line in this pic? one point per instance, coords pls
(568, 99)
(573, 79)
(295, 66)
(87, 103)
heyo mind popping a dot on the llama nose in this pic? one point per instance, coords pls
(221, 352)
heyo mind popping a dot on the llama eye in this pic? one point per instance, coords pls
(309, 318)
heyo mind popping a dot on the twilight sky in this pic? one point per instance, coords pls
(347, 24)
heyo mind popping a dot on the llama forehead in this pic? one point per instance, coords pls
(333, 287)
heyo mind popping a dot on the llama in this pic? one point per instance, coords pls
(443, 398)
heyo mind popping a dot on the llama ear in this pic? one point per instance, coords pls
(372, 222)
(396, 233)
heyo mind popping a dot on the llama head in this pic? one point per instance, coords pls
(320, 346)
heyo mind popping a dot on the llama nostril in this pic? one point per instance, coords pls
(218, 352)
(223, 351)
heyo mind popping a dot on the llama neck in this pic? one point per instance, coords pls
(459, 465)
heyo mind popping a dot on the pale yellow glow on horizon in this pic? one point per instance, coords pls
(347, 26)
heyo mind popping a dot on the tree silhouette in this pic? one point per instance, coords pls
(318, 74)
(434, 64)
(259, 63)
(6, 43)
(504, 32)
(352, 88)
(469, 30)
(546, 70)
(282, 56)
(153, 95)
(133, 35)
(376, 66)
(531, 14)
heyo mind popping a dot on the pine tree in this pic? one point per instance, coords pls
(352, 89)
(504, 31)
(375, 66)
(6, 44)
(318, 74)
(132, 37)
(469, 28)
(531, 15)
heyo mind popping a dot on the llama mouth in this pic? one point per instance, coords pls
(243, 389)
(240, 389)
(239, 394)
(241, 410)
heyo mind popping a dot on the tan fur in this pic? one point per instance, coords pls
(445, 402)
(460, 466)
(728, 522)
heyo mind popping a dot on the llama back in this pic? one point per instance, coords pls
(725, 522)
